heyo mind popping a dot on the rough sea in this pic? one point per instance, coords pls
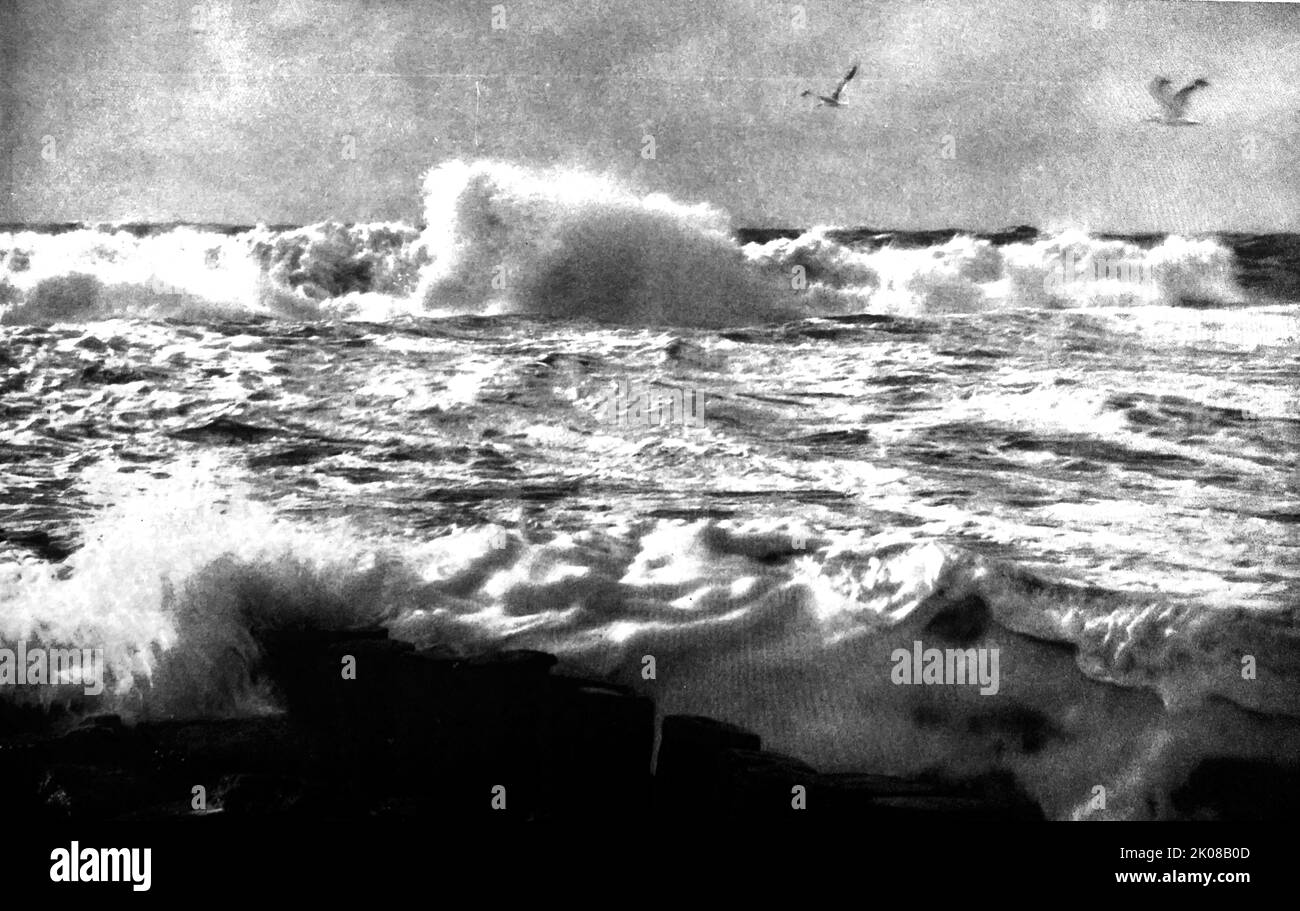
(564, 415)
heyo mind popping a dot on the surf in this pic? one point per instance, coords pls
(567, 244)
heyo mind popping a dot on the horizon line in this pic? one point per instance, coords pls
(129, 224)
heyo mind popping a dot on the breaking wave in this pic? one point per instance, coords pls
(968, 274)
(762, 624)
(104, 272)
(502, 238)
(577, 245)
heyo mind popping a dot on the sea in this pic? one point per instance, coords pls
(748, 471)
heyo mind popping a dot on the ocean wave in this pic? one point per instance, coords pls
(968, 274)
(316, 272)
(503, 238)
(569, 244)
(785, 630)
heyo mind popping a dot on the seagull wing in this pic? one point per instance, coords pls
(1160, 89)
(853, 71)
(1183, 95)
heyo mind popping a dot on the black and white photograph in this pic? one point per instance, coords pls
(610, 413)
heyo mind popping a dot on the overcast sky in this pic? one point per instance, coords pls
(247, 110)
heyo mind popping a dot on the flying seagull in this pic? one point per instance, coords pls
(1174, 104)
(833, 99)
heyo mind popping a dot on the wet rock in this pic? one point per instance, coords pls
(1240, 790)
(493, 729)
(420, 726)
(95, 792)
(996, 797)
(429, 734)
(200, 751)
(766, 784)
(691, 768)
(601, 741)
(24, 760)
(99, 739)
(349, 694)
(263, 795)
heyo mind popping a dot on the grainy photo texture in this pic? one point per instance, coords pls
(622, 410)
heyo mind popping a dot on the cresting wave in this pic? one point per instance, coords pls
(501, 238)
(563, 244)
(764, 625)
(320, 271)
(969, 274)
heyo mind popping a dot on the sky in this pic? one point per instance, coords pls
(976, 114)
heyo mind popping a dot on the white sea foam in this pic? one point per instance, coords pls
(503, 238)
(570, 244)
(965, 274)
(758, 623)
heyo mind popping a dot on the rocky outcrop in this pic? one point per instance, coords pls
(423, 734)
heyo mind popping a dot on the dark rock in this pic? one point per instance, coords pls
(103, 769)
(685, 736)
(524, 662)
(263, 795)
(91, 792)
(921, 806)
(601, 745)
(428, 734)
(99, 739)
(28, 718)
(763, 783)
(691, 768)
(352, 726)
(189, 753)
(995, 797)
(417, 725)
(24, 759)
(493, 728)
(106, 720)
(1240, 790)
